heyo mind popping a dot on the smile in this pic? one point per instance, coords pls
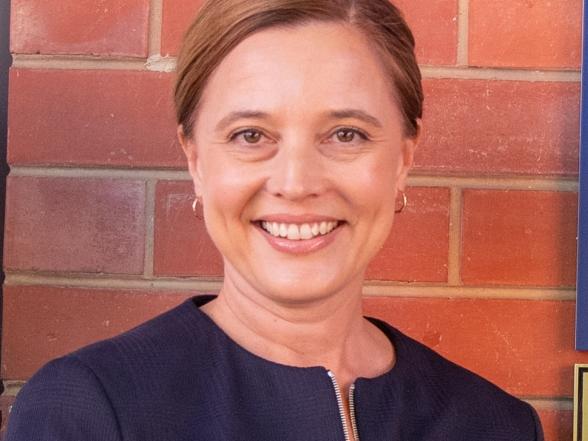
(304, 231)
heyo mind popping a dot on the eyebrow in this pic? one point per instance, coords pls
(240, 114)
(335, 114)
(357, 114)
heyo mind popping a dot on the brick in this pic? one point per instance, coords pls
(42, 322)
(519, 238)
(525, 33)
(434, 24)
(92, 118)
(182, 246)
(418, 245)
(524, 346)
(75, 225)
(108, 27)
(177, 17)
(5, 403)
(557, 424)
(500, 128)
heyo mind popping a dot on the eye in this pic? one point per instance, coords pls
(250, 136)
(349, 134)
(345, 135)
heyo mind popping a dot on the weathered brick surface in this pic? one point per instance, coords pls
(108, 27)
(557, 424)
(519, 238)
(418, 246)
(479, 127)
(182, 245)
(5, 403)
(434, 24)
(525, 33)
(177, 16)
(75, 225)
(92, 118)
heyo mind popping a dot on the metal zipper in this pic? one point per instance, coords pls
(352, 411)
(342, 409)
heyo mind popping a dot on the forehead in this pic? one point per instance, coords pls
(318, 64)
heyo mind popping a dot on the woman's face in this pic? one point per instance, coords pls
(298, 135)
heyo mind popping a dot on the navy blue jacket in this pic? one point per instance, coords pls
(179, 377)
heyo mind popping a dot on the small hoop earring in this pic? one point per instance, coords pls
(404, 203)
(197, 213)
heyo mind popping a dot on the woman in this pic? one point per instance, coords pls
(299, 120)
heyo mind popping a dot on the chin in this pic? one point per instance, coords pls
(300, 289)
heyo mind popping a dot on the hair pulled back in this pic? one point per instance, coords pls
(222, 24)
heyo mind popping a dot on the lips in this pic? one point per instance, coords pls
(296, 231)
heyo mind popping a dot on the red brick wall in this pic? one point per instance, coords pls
(481, 266)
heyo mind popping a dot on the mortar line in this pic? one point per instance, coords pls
(212, 284)
(551, 403)
(463, 25)
(12, 387)
(149, 227)
(81, 172)
(155, 27)
(415, 180)
(499, 74)
(157, 63)
(495, 183)
(74, 62)
(113, 281)
(454, 253)
(454, 292)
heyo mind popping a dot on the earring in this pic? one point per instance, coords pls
(404, 203)
(195, 204)
(197, 213)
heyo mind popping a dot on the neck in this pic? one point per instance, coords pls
(328, 332)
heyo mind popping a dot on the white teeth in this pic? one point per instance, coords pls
(315, 229)
(283, 230)
(293, 232)
(298, 232)
(305, 231)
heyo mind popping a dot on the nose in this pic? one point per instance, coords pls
(297, 172)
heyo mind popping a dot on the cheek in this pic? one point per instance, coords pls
(227, 188)
(375, 184)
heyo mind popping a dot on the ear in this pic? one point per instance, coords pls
(189, 148)
(407, 159)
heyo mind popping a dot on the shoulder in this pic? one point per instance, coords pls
(63, 401)
(116, 381)
(452, 393)
(151, 338)
(144, 361)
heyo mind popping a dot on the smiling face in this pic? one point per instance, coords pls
(298, 152)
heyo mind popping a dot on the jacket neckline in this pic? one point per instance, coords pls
(394, 336)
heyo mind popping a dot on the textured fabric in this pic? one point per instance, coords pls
(179, 377)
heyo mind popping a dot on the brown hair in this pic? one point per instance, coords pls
(223, 24)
